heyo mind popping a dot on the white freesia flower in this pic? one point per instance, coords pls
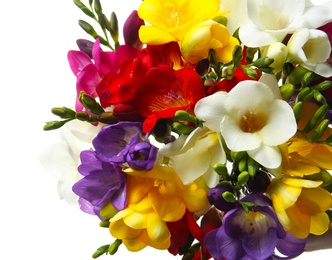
(250, 118)
(187, 153)
(61, 158)
(272, 20)
(277, 51)
(311, 48)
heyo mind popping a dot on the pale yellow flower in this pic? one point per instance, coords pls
(207, 35)
(300, 205)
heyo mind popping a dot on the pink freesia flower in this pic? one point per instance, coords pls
(90, 72)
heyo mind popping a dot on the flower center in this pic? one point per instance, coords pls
(253, 121)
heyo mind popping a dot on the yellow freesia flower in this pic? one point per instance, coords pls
(204, 36)
(300, 205)
(170, 19)
(301, 157)
(154, 198)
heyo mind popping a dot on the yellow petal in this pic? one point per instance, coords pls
(169, 208)
(134, 245)
(120, 230)
(311, 204)
(157, 229)
(194, 198)
(154, 36)
(319, 223)
(300, 222)
(286, 195)
(296, 182)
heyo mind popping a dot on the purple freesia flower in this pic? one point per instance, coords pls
(252, 235)
(123, 143)
(102, 183)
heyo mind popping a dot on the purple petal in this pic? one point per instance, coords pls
(210, 243)
(230, 248)
(291, 246)
(260, 245)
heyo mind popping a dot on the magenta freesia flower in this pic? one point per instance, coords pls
(252, 235)
(89, 72)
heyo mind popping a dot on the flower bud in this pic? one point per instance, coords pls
(63, 112)
(211, 220)
(287, 90)
(100, 251)
(113, 248)
(242, 178)
(142, 156)
(279, 53)
(216, 198)
(221, 170)
(203, 37)
(85, 46)
(320, 130)
(259, 182)
(130, 30)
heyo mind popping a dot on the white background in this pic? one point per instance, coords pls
(35, 76)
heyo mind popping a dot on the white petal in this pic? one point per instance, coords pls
(237, 140)
(65, 190)
(322, 69)
(271, 81)
(57, 160)
(317, 16)
(248, 95)
(261, 38)
(281, 124)
(212, 109)
(268, 156)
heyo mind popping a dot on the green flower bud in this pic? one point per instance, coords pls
(52, 125)
(221, 170)
(287, 90)
(297, 74)
(100, 251)
(287, 69)
(326, 178)
(114, 27)
(113, 248)
(221, 19)
(104, 223)
(63, 112)
(107, 118)
(304, 94)
(250, 53)
(237, 55)
(236, 156)
(250, 72)
(323, 85)
(98, 8)
(243, 164)
(319, 130)
(297, 108)
(307, 78)
(318, 96)
(88, 28)
(319, 114)
(263, 62)
(83, 116)
(242, 178)
(90, 103)
(229, 197)
(182, 129)
(252, 166)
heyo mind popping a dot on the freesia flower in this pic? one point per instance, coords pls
(123, 143)
(130, 30)
(155, 197)
(203, 37)
(170, 20)
(187, 152)
(297, 207)
(251, 235)
(250, 118)
(311, 48)
(271, 21)
(102, 182)
(89, 72)
(62, 158)
(277, 51)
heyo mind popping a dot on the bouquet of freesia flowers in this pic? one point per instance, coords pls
(208, 131)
